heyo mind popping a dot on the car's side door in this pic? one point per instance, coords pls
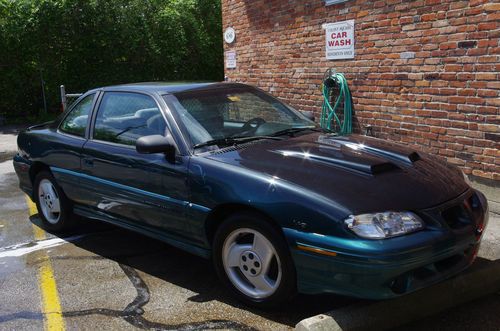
(144, 191)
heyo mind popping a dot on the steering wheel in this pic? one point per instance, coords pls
(258, 121)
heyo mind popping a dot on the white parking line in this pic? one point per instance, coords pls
(26, 248)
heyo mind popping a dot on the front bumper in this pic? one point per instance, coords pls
(378, 269)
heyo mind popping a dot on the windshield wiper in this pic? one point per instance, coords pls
(292, 131)
(233, 141)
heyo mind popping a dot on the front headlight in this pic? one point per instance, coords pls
(384, 225)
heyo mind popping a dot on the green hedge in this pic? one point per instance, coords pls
(88, 43)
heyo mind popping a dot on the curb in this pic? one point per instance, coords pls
(481, 279)
(491, 190)
(494, 207)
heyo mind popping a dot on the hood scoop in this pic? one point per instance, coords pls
(366, 165)
(406, 158)
(392, 152)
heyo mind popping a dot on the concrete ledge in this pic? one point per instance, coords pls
(481, 279)
(491, 189)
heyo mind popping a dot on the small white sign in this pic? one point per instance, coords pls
(230, 59)
(229, 35)
(339, 40)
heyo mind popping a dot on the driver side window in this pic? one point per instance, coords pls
(124, 117)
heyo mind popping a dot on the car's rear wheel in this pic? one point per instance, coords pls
(54, 208)
(252, 258)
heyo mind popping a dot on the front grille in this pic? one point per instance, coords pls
(457, 217)
(463, 214)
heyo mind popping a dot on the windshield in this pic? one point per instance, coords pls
(228, 112)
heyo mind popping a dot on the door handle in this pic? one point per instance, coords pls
(88, 162)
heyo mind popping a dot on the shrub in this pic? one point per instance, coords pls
(88, 43)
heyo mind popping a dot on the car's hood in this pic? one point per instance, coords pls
(361, 173)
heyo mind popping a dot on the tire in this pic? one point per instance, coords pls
(54, 208)
(252, 259)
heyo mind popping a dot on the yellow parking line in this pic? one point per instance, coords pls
(37, 231)
(31, 206)
(51, 305)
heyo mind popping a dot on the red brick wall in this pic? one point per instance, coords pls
(445, 100)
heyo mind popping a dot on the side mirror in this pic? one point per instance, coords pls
(157, 144)
(309, 115)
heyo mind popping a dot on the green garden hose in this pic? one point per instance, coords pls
(335, 87)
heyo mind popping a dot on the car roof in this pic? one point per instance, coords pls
(171, 87)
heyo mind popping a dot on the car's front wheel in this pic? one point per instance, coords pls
(252, 258)
(54, 208)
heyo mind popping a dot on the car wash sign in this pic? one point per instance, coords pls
(339, 40)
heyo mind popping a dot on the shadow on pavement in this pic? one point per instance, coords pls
(185, 270)
(481, 315)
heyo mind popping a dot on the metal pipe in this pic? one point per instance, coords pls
(43, 93)
(63, 98)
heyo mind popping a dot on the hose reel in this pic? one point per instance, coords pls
(335, 90)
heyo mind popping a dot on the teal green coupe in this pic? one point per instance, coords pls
(281, 206)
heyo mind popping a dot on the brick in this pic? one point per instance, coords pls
(487, 93)
(467, 44)
(493, 85)
(428, 17)
(492, 136)
(492, 7)
(487, 26)
(486, 76)
(453, 67)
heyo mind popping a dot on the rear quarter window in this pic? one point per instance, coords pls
(75, 123)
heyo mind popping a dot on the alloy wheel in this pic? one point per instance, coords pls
(251, 263)
(49, 201)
